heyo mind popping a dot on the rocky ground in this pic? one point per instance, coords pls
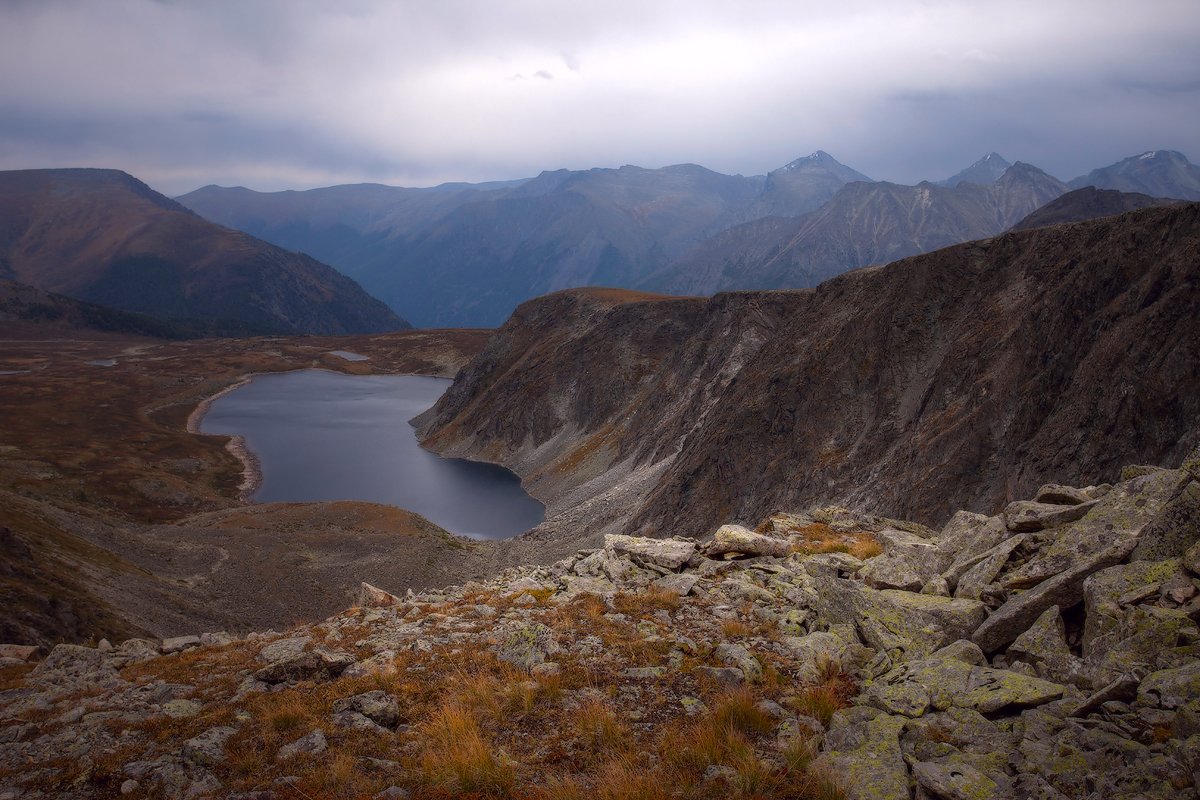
(1049, 651)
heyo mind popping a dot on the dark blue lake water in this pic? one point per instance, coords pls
(326, 436)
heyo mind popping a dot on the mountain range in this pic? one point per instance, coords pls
(104, 237)
(463, 254)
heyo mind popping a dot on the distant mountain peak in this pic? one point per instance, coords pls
(818, 158)
(1158, 173)
(985, 171)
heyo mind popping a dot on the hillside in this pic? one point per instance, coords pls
(958, 379)
(1047, 651)
(103, 237)
(29, 312)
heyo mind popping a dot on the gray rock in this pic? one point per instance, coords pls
(735, 655)
(177, 644)
(1063, 590)
(866, 757)
(356, 721)
(891, 620)
(313, 665)
(1191, 559)
(1171, 688)
(956, 781)
(1123, 688)
(1044, 646)
(883, 572)
(378, 706)
(681, 584)
(1119, 515)
(527, 645)
(216, 638)
(68, 662)
(970, 545)
(737, 539)
(373, 597)
(310, 744)
(1104, 591)
(976, 579)
(382, 663)
(208, 748)
(1026, 515)
(726, 676)
(283, 648)
(668, 553)
(19, 652)
(918, 686)
(1055, 494)
(1175, 528)
(393, 793)
(181, 709)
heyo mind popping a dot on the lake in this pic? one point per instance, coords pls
(323, 435)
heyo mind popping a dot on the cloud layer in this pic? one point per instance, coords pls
(297, 93)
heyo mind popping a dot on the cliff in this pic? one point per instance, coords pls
(957, 379)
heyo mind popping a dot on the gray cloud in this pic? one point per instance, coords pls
(295, 93)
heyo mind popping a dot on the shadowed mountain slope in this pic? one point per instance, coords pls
(865, 223)
(461, 254)
(104, 237)
(959, 379)
(1088, 203)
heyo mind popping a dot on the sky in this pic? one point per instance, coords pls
(293, 94)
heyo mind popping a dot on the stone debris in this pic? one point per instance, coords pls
(1031, 654)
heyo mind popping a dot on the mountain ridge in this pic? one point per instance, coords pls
(104, 237)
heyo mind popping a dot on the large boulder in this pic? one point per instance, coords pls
(668, 553)
(1063, 590)
(1028, 515)
(914, 688)
(862, 749)
(743, 541)
(896, 622)
(1176, 527)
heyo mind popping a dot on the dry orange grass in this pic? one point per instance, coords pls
(599, 729)
(458, 758)
(649, 600)
(820, 538)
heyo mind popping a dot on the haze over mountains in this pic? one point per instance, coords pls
(462, 254)
(104, 237)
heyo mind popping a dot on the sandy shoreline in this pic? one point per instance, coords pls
(251, 467)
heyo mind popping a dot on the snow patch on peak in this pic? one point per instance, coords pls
(1148, 154)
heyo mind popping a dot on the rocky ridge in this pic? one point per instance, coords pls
(1048, 651)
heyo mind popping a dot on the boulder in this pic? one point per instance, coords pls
(956, 781)
(1175, 528)
(725, 676)
(1063, 590)
(373, 597)
(1044, 647)
(1119, 515)
(527, 645)
(735, 655)
(208, 748)
(891, 620)
(970, 545)
(177, 644)
(864, 753)
(977, 578)
(1108, 589)
(283, 648)
(311, 744)
(314, 665)
(68, 663)
(1055, 494)
(1027, 515)
(736, 539)
(667, 553)
(681, 584)
(914, 688)
(19, 652)
(378, 706)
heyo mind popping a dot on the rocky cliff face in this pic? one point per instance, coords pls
(959, 379)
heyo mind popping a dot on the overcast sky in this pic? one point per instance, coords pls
(276, 94)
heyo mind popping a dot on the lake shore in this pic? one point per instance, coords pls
(251, 467)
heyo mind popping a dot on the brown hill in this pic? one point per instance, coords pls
(958, 379)
(106, 238)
